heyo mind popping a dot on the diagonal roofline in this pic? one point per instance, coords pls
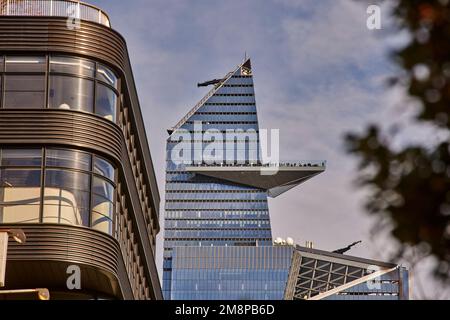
(206, 97)
(348, 258)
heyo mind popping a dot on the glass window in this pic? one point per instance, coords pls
(24, 91)
(101, 223)
(66, 197)
(25, 64)
(72, 65)
(19, 195)
(70, 197)
(67, 179)
(20, 178)
(107, 75)
(106, 103)
(68, 159)
(65, 214)
(21, 157)
(102, 206)
(104, 168)
(103, 188)
(71, 93)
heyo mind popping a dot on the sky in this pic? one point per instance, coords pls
(319, 73)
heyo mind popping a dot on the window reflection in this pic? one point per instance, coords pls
(24, 91)
(102, 204)
(72, 66)
(25, 64)
(101, 223)
(106, 103)
(72, 193)
(103, 188)
(21, 157)
(71, 93)
(102, 212)
(71, 84)
(66, 197)
(107, 75)
(19, 195)
(104, 168)
(68, 159)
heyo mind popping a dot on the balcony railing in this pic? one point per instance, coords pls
(54, 8)
(311, 163)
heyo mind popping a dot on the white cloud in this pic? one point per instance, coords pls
(332, 38)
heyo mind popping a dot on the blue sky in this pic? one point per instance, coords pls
(318, 72)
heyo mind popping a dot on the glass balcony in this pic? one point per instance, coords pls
(54, 8)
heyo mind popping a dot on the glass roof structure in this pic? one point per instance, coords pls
(317, 274)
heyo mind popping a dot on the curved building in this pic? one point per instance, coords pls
(76, 174)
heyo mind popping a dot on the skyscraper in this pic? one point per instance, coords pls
(231, 273)
(216, 187)
(76, 174)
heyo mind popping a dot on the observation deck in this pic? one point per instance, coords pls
(275, 178)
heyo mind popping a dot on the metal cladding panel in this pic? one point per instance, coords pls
(49, 34)
(66, 243)
(59, 127)
(51, 248)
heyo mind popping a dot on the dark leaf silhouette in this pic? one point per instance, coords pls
(412, 186)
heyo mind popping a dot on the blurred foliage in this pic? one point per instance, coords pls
(411, 186)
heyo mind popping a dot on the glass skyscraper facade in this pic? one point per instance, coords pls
(204, 211)
(231, 273)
